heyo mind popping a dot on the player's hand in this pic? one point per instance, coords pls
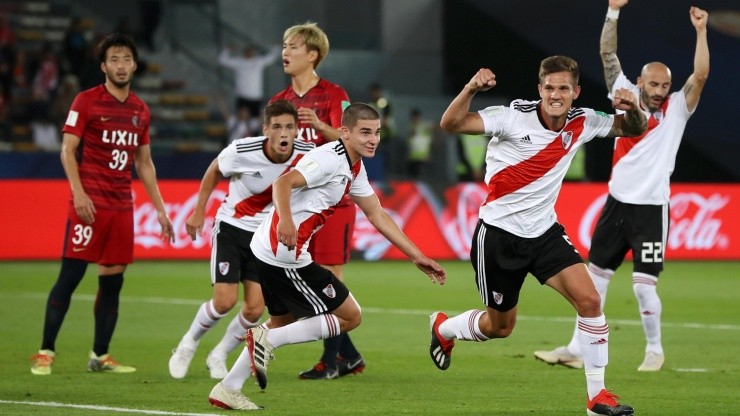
(168, 233)
(625, 100)
(194, 224)
(483, 80)
(617, 4)
(287, 234)
(432, 269)
(699, 18)
(308, 116)
(84, 207)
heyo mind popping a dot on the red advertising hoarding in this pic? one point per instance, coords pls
(702, 223)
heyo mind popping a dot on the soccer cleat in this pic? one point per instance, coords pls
(320, 372)
(106, 364)
(230, 399)
(559, 355)
(216, 365)
(260, 351)
(347, 367)
(41, 362)
(180, 360)
(652, 362)
(605, 403)
(440, 349)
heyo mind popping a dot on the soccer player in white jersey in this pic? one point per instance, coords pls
(251, 164)
(518, 233)
(307, 302)
(635, 216)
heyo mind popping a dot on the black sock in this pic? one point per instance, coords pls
(347, 348)
(106, 311)
(331, 349)
(70, 276)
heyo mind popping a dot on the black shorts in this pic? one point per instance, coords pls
(232, 260)
(304, 292)
(501, 261)
(624, 227)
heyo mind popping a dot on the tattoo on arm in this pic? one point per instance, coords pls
(634, 123)
(608, 51)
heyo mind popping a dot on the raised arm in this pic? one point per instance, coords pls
(695, 83)
(458, 118)
(370, 205)
(633, 122)
(608, 44)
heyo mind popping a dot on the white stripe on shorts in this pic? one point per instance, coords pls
(482, 287)
(301, 286)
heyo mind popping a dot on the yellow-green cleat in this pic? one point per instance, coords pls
(106, 364)
(41, 362)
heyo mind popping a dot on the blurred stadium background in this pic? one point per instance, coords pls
(419, 52)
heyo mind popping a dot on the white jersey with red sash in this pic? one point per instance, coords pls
(329, 177)
(642, 166)
(251, 174)
(526, 163)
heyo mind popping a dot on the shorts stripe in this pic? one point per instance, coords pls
(214, 250)
(301, 286)
(666, 224)
(482, 286)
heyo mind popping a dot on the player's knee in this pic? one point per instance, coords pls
(589, 305)
(223, 304)
(252, 313)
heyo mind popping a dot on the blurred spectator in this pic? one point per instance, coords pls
(239, 124)
(390, 153)
(151, 14)
(66, 94)
(7, 58)
(74, 46)
(420, 144)
(90, 73)
(45, 81)
(248, 75)
(471, 156)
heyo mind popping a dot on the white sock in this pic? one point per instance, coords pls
(593, 334)
(239, 372)
(205, 319)
(465, 326)
(310, 329)
(601, 278)
(644, 286)
(234, 335)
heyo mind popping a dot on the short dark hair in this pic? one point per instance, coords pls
(358, 111)
(559, 63)
(114, 40)
(279, 108)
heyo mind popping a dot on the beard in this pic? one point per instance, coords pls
(647, 100)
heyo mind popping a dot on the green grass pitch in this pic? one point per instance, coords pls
(701, 336)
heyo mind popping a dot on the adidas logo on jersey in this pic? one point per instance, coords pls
(257, 175)
(526, 140)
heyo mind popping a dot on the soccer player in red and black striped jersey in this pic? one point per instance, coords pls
(518, 233)
(106, 133)
(320, 104)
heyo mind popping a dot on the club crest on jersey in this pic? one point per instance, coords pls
(330, 292)
(567, 138)
(658, 115)
(223, 267)
(135, 121)
(497, 297)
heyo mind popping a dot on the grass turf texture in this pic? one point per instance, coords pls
(501, 377)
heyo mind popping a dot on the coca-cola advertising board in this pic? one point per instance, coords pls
(702, 223)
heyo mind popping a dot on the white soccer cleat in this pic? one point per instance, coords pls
(180, 360)
(652, 362)
(230, 399)
(260, 351)
(216, 365)
(560, 355)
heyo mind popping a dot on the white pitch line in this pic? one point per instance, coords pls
(107, 408)
(392, 311)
